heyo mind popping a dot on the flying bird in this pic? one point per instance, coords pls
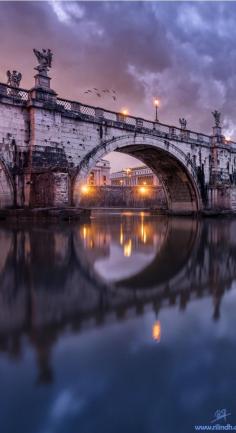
(100, 93)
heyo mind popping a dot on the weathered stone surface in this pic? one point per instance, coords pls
(6, 190)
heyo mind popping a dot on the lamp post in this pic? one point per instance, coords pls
(123, 114)
(156, 103)
(128, 171)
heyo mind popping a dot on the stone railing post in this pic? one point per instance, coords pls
(139, 123)
(99, 113)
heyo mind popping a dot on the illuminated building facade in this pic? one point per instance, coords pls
(100, 174)
(132, 187)
(135, 176)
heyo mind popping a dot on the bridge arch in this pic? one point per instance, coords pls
(6, 186)
(174, 169)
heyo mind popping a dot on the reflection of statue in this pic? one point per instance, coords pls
(14, 78)
(216, 114)
(183, 123)
(217, 297)
(44, 58)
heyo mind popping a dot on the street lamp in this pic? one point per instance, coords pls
(85, 189)
(156, 103)
(128, 174)
(123, 114)
(143, 190)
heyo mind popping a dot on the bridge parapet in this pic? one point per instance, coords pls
(16, 94)
(98, 114)
(127, 121)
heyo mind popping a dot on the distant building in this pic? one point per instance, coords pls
(136, 187)
(142, 175)
(100, 174)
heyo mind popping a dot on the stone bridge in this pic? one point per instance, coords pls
(49, 144)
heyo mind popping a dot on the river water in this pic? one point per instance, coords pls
(126, 323)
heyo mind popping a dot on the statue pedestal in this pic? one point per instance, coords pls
(217, 137)
(42, 81)
(41, 91)
(217, 131)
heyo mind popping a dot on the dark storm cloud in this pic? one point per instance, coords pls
(183, 52)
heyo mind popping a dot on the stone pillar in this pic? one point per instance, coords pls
(217, 137)
(219, 191)
(216, 140)
(61, 189)
(40, 96)
(41, 92)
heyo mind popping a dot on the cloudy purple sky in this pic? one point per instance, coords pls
(183, 52)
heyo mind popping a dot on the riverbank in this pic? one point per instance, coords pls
(80, 214)
(216, 213)
(45, 214)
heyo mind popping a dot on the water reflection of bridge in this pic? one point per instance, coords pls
(49, 282)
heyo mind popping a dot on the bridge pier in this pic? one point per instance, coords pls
(221, 190)
(50, 189)
(222, 198)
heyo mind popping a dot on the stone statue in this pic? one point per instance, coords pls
(183, 123)
(13, 78)
(216, 114)
(44, 58)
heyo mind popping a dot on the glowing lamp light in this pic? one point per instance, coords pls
(84, 232)
(85, 189)
(156, 104)
(125, 112)
(142, 190)
(156, 331)
(128, 248)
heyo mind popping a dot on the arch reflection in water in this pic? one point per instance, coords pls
(123, 245)
(52, 279)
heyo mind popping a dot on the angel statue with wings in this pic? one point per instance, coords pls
(216, 114)
(44, 58)
(13, 78)
(183, 123)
